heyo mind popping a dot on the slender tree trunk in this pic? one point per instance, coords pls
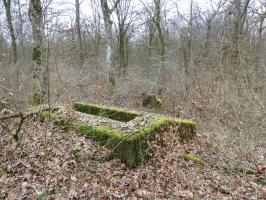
(151, 35)
(110, 60)
(36, 19)
(20, 31)
(207, 39)
(159, 29)
(239, 22)
(7, 4)
(78, 31)
(260, 31)
(121, 50)
(162, 78)
(190, 60)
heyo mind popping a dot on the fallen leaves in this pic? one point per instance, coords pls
(79, 168)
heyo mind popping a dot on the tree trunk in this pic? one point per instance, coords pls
(151, 35)
(159, 29)
(79, 39)
(239, 22)
(36, 19)
(207, 39)
(260, 31)
(190, 60)
(7, 4)
(122, 51)
(110, 60)
(20, 30)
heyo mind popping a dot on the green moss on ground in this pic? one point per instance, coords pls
(77, 153)
(107, 112)
(2, 173)
(152, 101)
(194, 159)
(249, 170)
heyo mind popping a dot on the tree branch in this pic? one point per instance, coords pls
(114, 6)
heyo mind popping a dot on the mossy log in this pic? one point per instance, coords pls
(131, 148)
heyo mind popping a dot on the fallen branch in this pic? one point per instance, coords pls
(25, 114)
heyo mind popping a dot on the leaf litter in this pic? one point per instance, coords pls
(69, 166)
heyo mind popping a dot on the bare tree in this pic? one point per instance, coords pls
(261, 15)
(7, 4)
(110, 60)
(240, 14)
(36, 18)
(79, 39)
(20, 23)
(125, 17)
(208, 20)
(190, 32)
(157, 21)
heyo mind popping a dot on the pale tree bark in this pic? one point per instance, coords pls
(78, 33)
(110, 60)
(158, 24)
(36, 19)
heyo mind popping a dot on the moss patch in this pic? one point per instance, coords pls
(107, 112)
(37, 55)
(249, 170)
(194, 159)
(152, 101)
(2, 173)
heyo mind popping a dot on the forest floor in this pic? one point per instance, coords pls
(51, 163)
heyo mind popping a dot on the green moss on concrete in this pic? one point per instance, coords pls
(130, 148)
(107, 112)
(194, 159)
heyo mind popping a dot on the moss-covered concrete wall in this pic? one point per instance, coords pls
(108, 112)
(131, 148)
